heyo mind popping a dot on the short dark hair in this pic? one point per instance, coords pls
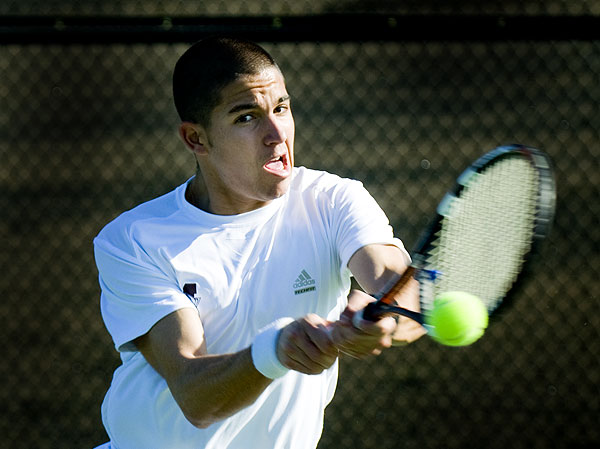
(207, 67)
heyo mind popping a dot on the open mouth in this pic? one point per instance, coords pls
(279, 166)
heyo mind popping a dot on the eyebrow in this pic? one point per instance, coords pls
(250, 106)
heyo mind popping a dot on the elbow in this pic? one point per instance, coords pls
(200, 423)
(198, 410)
(202, 415)
(199, 418)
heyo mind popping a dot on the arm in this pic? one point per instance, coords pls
(206, 387)
(209, 388)
(375, 267)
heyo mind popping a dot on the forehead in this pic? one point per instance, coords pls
(264, 85)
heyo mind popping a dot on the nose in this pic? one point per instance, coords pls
(274, 131)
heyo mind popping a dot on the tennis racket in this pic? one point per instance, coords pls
(483, 234)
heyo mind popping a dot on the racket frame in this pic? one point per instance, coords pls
(544, 216)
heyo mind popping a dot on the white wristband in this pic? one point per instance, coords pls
(264, 349)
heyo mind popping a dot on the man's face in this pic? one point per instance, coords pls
(250, 144)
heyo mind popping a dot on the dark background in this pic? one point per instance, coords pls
(399, 94)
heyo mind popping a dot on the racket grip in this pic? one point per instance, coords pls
(376, 310)
(371, 312)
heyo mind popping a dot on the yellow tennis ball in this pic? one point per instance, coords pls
(457, 319)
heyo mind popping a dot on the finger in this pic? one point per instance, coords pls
(358, 300)
(407, 331)
(319, 333)
(298, 351)
(357, 344)
(309, 364)
(381, 327)
(360, 355)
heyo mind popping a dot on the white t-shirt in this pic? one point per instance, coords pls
(241, 273)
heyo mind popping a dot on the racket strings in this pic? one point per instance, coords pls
(487, 231)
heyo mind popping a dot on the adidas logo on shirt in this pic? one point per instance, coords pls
(304, 283)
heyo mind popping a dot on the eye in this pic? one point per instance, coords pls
(281, 108)
(244, 118)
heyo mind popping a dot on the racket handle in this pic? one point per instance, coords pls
(386, 305)
(376, 310)
(372, 312)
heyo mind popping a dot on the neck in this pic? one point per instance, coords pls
(196, 193)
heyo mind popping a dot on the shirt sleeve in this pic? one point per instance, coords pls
(359, 221)
(136, 293)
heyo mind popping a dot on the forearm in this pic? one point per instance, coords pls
(376, 266)
(207, 388)
(210, 388)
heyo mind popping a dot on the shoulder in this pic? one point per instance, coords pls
(333, 196)
(322, 183)
(118, 232)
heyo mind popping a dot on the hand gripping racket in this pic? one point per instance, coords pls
(483, 233)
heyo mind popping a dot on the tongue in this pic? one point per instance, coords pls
(275, 165)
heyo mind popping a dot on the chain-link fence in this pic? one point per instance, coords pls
(88, 131)
(197, 8)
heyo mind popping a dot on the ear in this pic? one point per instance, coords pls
(194, 137)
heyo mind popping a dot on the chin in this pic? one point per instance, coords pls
(282, 188)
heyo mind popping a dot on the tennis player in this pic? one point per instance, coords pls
(228, 298)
